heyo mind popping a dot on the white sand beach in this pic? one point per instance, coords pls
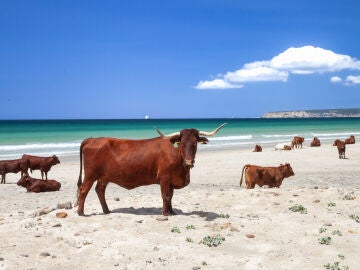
(136, 236)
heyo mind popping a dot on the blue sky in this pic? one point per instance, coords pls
(176, 59)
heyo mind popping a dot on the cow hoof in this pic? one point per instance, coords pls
(172, 213)
(81, 213)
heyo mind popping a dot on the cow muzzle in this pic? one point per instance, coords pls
(189, 162)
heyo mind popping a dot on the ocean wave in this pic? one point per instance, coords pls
(35, 146)
(278, 135)
(344, 134)
(46, 153)
(232, 138)
(252, 142)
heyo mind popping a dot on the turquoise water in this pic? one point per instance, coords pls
(63, 137)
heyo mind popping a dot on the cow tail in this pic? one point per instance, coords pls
(242, 173)
(79, 183)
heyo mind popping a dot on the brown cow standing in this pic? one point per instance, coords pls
(271, 176)
(341, 148)
(350, 140)
(43, 164)
(315, 142)
(257, 148)
(165, 160)
(38, 185)
(13, 166)
(297, 142)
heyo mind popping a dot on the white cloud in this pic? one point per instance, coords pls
(348, 81)
(216, 84)
(353, 79)
(303, 60)
(309, 59)
(335, 79)
(256, 74)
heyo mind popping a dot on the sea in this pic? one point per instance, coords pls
(63, 137)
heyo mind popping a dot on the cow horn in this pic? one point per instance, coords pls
(158, 131)
(212, 132)
(169, 135)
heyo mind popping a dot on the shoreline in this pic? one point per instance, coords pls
(63, 138)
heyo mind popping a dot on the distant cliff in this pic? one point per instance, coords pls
(314, 113)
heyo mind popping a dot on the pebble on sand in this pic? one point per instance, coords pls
(61, 215)
(44, 254)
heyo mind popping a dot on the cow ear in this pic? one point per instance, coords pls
(175, 139)
(203, 140)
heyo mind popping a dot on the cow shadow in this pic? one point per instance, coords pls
(146, 211)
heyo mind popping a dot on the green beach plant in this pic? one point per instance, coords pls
(355, 217)
(325, 240)
(175, 229)
(337, 232)
(212, 241)
(189, 239)
(224, 215)
(336, 266)
(298, 208)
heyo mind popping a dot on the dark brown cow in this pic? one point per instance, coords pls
(13, 166)
(350, 140)
(38, 185)
(165, 160)
(257, 148)
(43, 164)
(297, 142)
(271, 176)
(341, 148)
(315, 142)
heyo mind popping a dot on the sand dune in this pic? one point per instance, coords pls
(254, 229)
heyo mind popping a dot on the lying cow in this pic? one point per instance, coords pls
(350, 140)
(282, 146)
(315, 142)
(297, 142)
(38, 185)
(13, 166)
(341, 148)
(43, 164)
(165, 160)
(287, 147)
(270, 176)
(257, 148)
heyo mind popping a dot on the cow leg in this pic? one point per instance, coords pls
(100, 191)
(46, 175)
(42, 175)
(250, 185)
(167, 192)
(84, 189)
